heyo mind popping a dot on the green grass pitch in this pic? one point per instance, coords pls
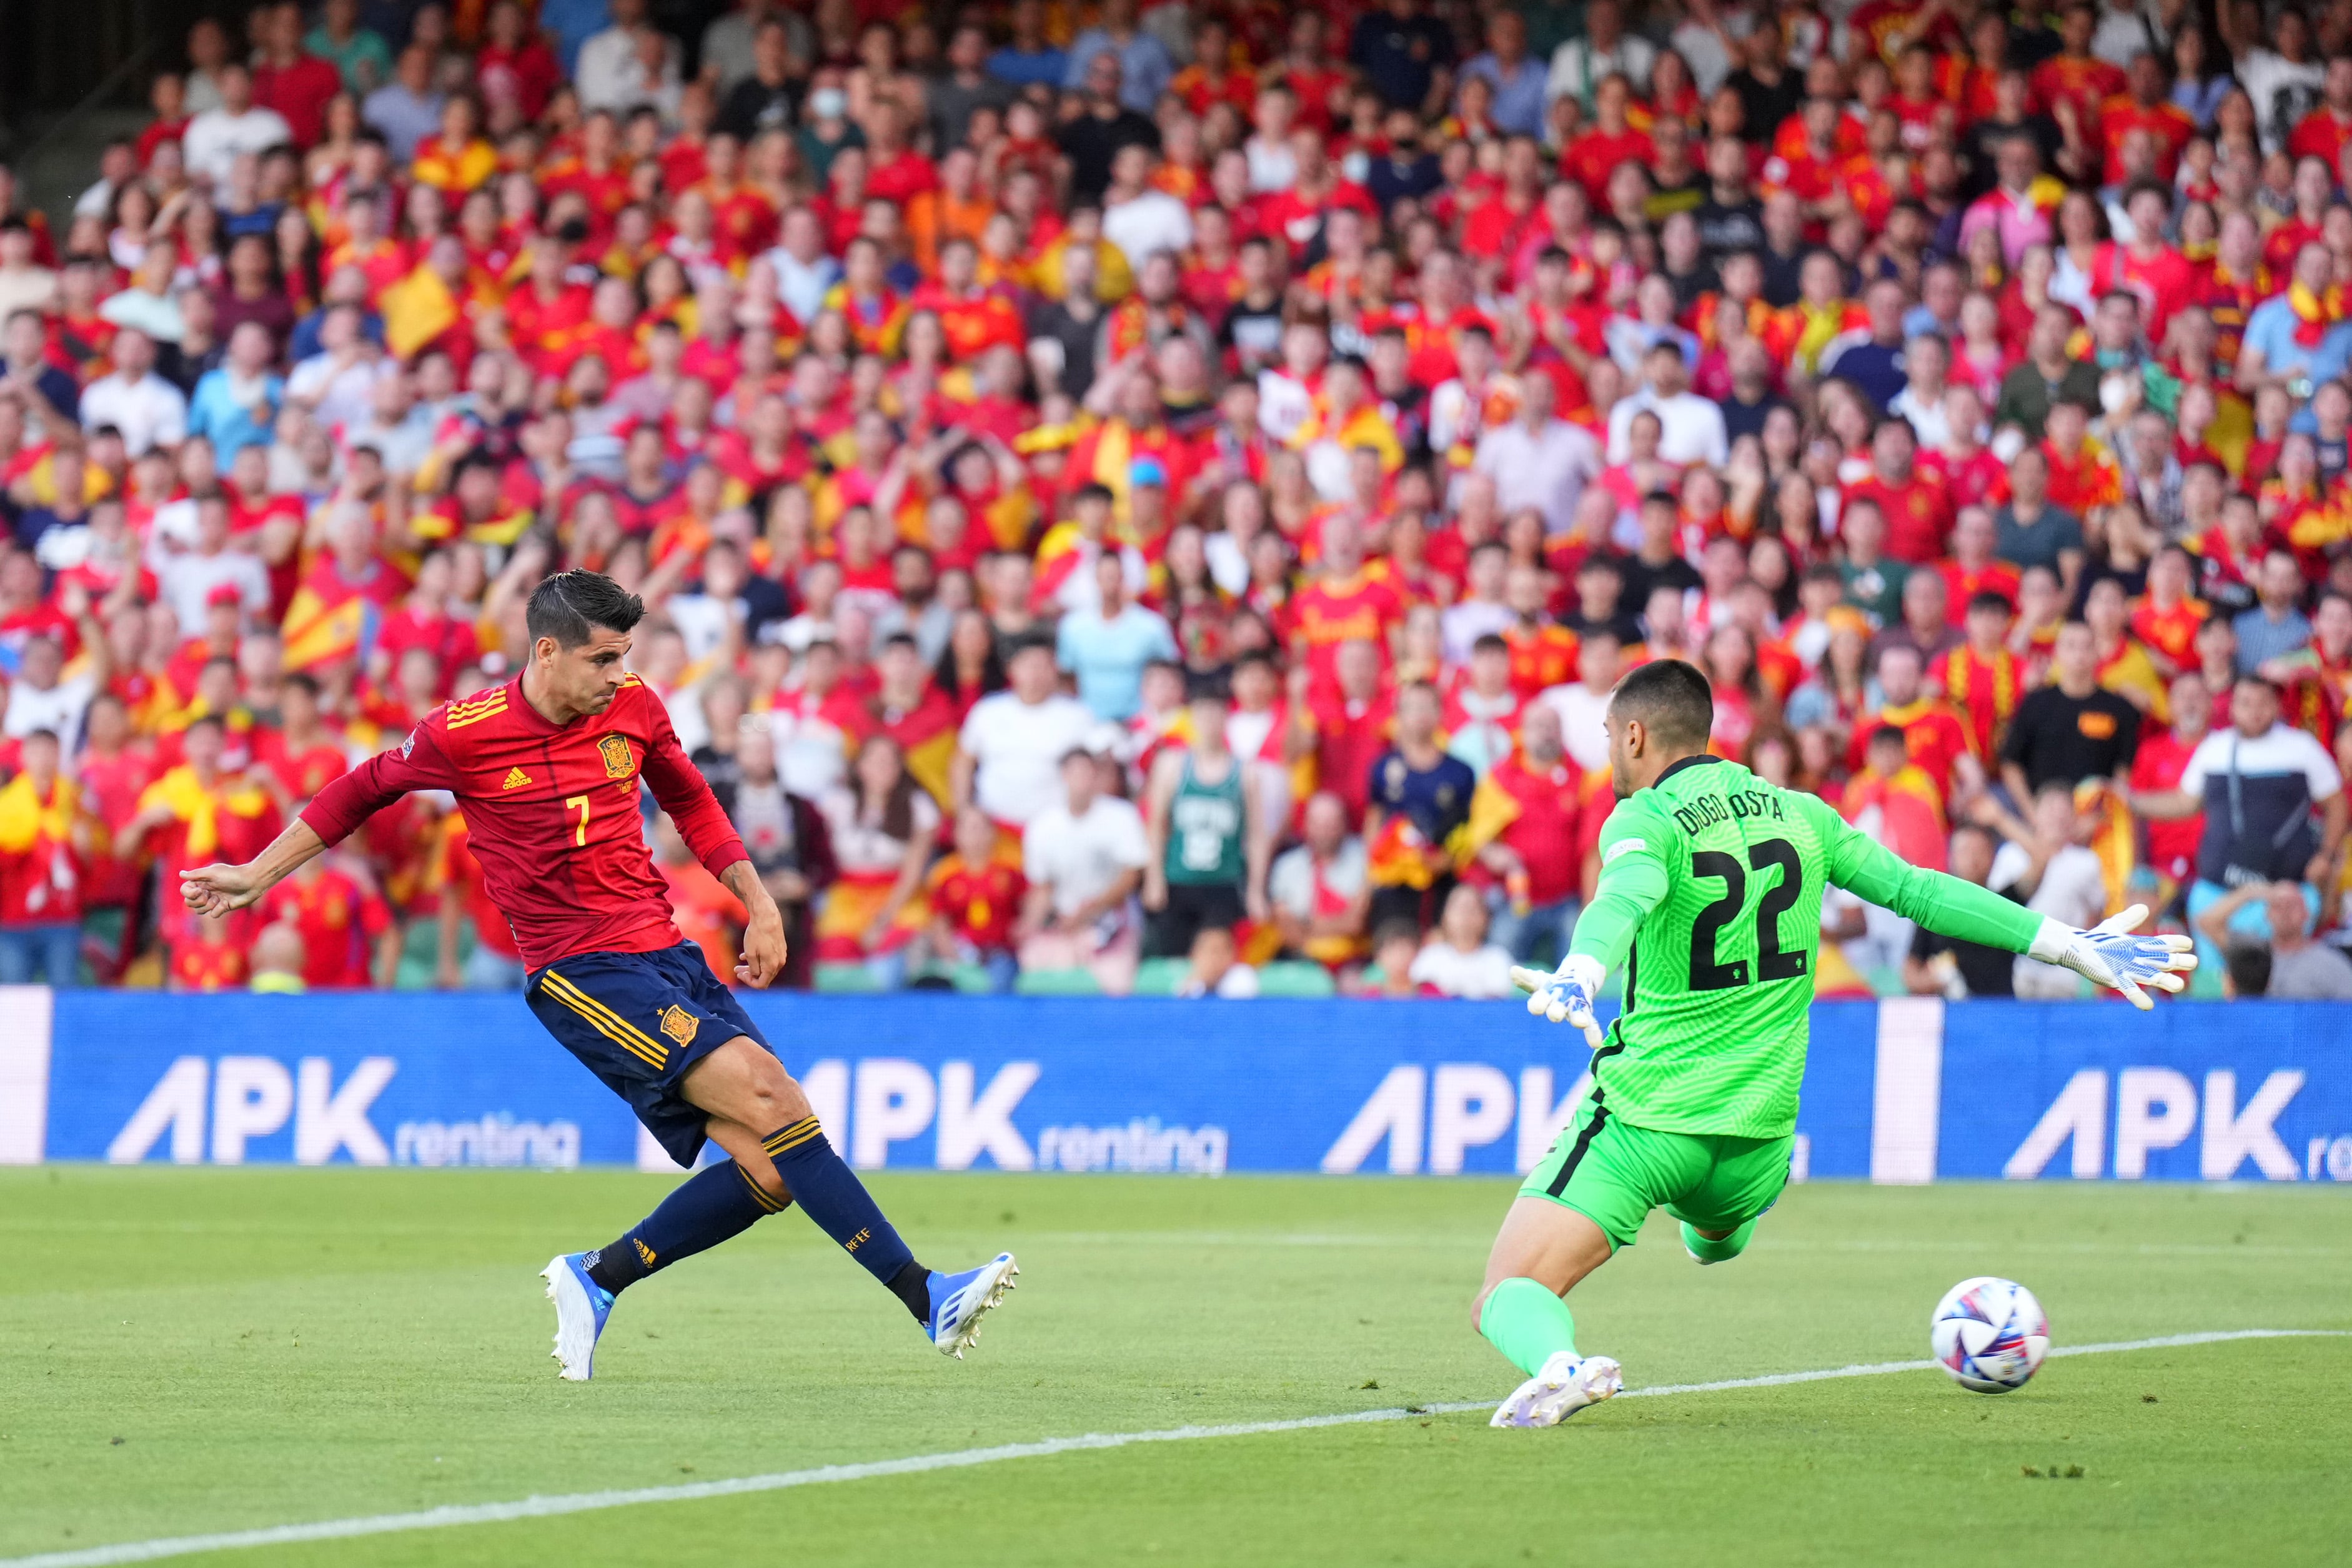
(194, 1351)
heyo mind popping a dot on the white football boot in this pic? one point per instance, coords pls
(1564, 1387)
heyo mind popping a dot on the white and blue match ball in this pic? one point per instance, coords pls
(1990, 1334)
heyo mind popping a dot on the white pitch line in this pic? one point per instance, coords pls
(919, 1464)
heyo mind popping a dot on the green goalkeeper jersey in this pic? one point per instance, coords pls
(1710, 894)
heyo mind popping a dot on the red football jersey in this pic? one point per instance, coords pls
(553, 813)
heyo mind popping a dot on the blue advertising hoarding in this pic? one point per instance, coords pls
(1907, 1091)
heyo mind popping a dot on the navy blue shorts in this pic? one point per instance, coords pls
(639, 1021)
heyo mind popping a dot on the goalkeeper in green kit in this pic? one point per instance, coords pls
(1710, 895)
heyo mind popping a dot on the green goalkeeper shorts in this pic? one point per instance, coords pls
(1614, 1174)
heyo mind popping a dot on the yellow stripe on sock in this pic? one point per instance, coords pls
(588, 1006)
(602, 1021)
(759, 1195)
(792, 1137)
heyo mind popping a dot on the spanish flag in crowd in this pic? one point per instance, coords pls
(1493, 809)
(926, 735)
(1398, 856)
(199, 809)
(323, 627)
(2114, 840)
(416, 310)
(26, 818)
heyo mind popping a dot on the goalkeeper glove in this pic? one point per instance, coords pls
(2110, 955)
(1565, 996)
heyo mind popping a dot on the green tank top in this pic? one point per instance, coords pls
(1204, 829)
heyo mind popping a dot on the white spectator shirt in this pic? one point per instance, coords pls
(2282, 749)
(1927, 419)
(59, 709)
(1080, 857)
(1290, 884)
(188, 581)
(802, 285)
(150, 412)
(1690, 428)
(340, 394)
(811, 752)
(1019, 749)
(1546, 468)
(1459, 625)
(1151, 222)
(2073, 889)
(610, 75)
(215, 137)
(1272, 166)
(1581, 710)
(1483, 974)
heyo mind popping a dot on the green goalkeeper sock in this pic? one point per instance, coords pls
(1721, 1250)
(1528, 1323)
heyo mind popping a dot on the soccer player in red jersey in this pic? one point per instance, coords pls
(548, 770)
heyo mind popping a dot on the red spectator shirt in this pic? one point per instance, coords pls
(2320, 135)
(305, 772)
(1982, 479)
(1918, 514)
(1546, 832)
(1932, 737)
(2161, 759)
(2166, 122)
(300, 92)
(340, 922)
(979, 905)
(1349, 739)
(1325, 614)
(1541, 657)
(553, 813)
(1961, 584)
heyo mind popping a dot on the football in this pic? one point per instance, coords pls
(1990, 1334)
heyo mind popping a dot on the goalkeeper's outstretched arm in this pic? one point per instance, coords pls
(2108, 953)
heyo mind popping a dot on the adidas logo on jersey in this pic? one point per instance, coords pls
(516, 778)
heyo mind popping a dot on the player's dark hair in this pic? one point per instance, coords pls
(570, 606)
(2249, 964)
(1672, 699)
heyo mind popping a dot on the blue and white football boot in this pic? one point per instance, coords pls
(959, 1300)
(581, 1308)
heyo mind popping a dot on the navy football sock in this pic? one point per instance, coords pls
(831, 1195)
(714, 1204)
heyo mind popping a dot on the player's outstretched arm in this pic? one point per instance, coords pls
(2109, 955)
(217, 889)
(1633, 883)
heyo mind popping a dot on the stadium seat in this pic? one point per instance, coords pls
(1295, 978)
(845, 979)
(1160, 976)
(1056, 982)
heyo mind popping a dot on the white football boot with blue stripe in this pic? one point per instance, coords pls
(959, 1300)
(1564, 1387)
(581, 1308)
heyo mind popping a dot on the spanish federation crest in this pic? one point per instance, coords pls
(680, 1025)
(619, 764)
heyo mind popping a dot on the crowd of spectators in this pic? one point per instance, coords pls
(1168, 495)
